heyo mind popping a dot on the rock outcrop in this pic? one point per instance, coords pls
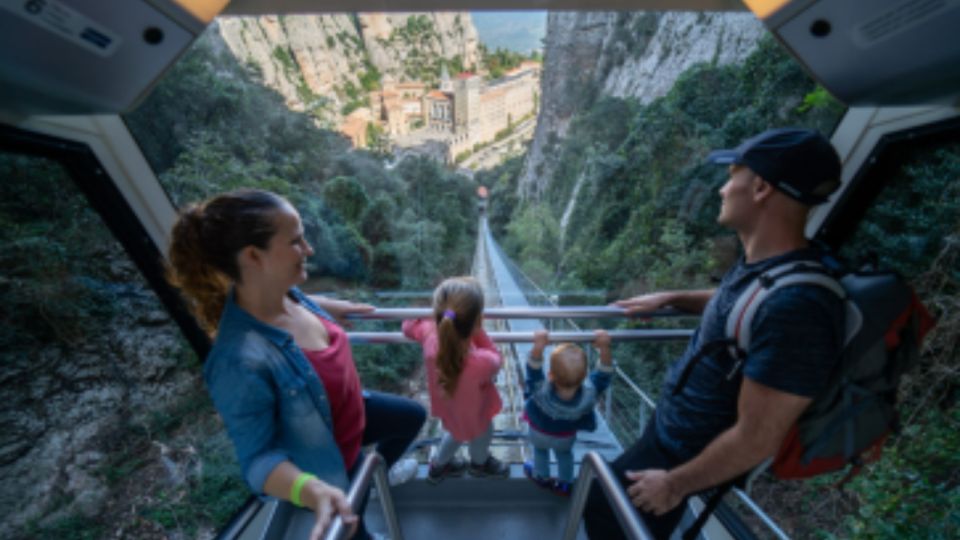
(620, 54)
(321, 63)
(69, 402)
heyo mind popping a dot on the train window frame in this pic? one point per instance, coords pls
(99, 189)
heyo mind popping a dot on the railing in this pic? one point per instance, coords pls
(592, 466)
(539, 312)
(372, 467)
(527, 337)
(643, 403)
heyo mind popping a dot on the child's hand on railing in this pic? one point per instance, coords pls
(602, 344)
(540, 339)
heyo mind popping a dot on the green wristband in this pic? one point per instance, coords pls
(298, 484)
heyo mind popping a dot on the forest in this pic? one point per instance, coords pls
(372, 228)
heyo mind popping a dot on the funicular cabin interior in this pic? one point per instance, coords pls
(70, 70)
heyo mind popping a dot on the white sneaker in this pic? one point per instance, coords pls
(403, 471)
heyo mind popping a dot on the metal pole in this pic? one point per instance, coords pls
(579, 501)
(524, 312)
(594, 466)
(372, 466)
(527, 337)
(386, 502)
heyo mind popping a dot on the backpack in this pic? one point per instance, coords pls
(851, 418)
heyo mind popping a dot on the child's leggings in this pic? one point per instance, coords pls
(562, 447)
(479, 447)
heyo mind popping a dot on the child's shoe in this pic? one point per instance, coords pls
(402, 471)
(544, 483)
(562, 488)
(455, 467)
(491, 467)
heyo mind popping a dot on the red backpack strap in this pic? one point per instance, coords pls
(740, 319)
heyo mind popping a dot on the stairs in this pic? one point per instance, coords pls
(474, 509)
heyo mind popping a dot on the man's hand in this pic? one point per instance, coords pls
(645, 303)
(540, 339)
(652, 491)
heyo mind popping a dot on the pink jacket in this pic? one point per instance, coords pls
(467, 414)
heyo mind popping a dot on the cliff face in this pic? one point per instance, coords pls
(627, 55)
(323, 63)
(67, 404)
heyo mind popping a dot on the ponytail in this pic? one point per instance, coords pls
(450, 354)
(204, 244)
(457, 305)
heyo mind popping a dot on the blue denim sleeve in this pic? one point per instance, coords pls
(797, 339)
(533, 380)
(305, 300)
(246, 402)
(600, 379)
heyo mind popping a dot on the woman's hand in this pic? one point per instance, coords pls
(327, 501)
(342, 309)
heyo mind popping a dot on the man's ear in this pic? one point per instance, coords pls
(762, 189)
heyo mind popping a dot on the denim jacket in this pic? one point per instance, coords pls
(271, 400)
(548, 412)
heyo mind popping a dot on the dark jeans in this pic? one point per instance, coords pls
(393, 422)
(601, 523)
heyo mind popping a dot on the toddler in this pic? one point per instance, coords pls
(561, 407)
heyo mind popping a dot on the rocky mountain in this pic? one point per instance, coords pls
(325, 64)
(622, 54)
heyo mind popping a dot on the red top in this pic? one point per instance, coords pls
(336, 369)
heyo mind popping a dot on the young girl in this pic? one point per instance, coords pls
(461, 365)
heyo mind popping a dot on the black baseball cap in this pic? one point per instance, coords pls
(799, 162)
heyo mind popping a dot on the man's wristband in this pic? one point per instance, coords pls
(298, 484)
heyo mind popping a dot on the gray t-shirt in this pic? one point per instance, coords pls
(797, 335)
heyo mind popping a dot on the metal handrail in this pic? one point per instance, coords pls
(241, 519)
(592, 466)
(527, 337)
(526, 312)
(372, 466)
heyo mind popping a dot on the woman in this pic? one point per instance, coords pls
(281, 373)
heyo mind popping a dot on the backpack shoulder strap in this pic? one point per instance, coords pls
(741, 316)
(737, 330)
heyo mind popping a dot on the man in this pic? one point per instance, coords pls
(727, 418)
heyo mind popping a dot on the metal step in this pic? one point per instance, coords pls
(474, 509)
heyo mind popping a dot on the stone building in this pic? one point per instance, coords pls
(481, 110)
(465, 111)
